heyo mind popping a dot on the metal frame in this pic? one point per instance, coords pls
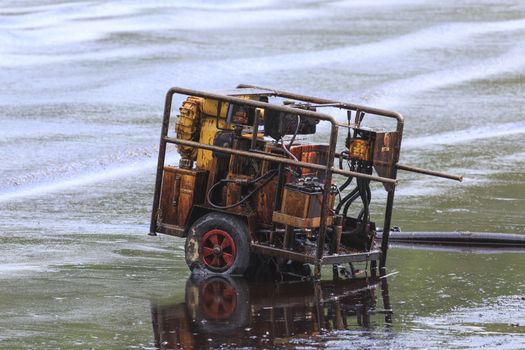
(328, 168)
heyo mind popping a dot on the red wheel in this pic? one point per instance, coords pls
(219, 299)
(218, 250)
(218, 243)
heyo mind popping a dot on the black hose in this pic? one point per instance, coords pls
(489, 239)
(350, 201)
(343, 201)
(364, 193)
(270, 174)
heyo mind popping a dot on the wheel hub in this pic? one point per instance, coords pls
(218, 250)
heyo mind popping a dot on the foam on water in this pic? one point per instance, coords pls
(395, 93)
(99, 175)
(217, 74)
(465, 136)
(85, 22)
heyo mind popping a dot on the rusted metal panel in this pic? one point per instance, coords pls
(386, 154)
(234, 191)
(295, 221)
(278, 252)
(264, 201)
(179, 194)
(302, 204)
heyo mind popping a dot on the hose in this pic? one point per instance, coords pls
(345, 199)
(270, 174)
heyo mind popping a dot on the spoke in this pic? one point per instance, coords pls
(228, 258)
(214, 240)
(215, 261)
(226, 243)
(208, 259)
(207, 251)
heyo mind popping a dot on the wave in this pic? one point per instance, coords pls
(94, 176)
(466, 135)
(85, 22)
(444, 35)
(397, 92)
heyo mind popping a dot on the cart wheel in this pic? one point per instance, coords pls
(218, 243)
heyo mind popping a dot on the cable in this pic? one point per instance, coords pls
(270, 174)
(292, 140)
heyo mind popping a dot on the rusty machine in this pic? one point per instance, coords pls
(257, 184)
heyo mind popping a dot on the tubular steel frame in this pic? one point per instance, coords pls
(328, 168)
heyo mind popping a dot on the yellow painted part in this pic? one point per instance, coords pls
(187, 125)
(209, 107)
(208, 132)
(197, 122)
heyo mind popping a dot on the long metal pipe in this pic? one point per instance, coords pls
(429, 172)
(387, 224)
(418, 170)
(339, 104)
(278, 160)
(252, 103)
(160, 163)
(324, 205)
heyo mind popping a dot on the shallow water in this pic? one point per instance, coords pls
(81, 101)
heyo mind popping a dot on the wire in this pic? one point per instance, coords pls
(270, 174)
(292, 140)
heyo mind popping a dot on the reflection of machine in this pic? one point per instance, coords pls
(251, 187)
(221, 310)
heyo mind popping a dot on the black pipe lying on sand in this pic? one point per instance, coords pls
(486, 239)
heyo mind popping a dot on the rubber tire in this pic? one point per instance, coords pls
(235, 227)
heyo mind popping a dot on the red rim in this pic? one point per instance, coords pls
(218, 250)
(219, 299)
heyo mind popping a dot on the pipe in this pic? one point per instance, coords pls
(489, 239)
(279, 160)
(344, 105)
(160, 163)
(429, 172)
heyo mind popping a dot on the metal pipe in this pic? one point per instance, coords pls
(344, 105)
(387, 223)
(429, 172)
(279, 160)
(326, 194)
(252, 103)
(160, 163)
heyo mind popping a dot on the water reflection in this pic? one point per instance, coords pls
(225, 311)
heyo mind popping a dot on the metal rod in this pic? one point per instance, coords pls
(279, 160)
(386, 227)
(344, 105)
(160, 163)
(252, 103)
(326, 194)
(429, 172)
